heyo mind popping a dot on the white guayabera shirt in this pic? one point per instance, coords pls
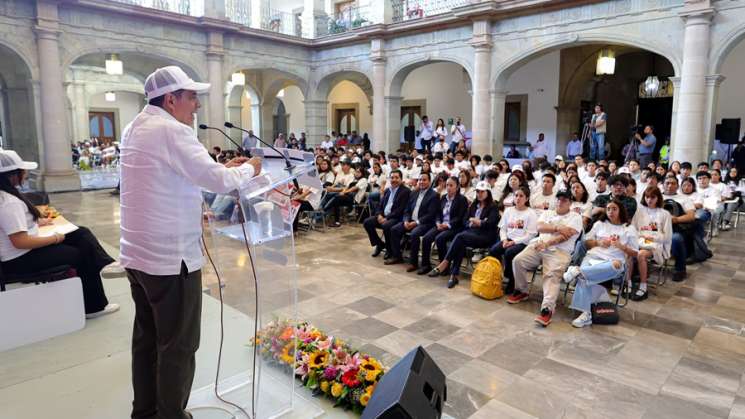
(164, 168)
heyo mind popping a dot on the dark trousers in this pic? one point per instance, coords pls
(338, 201)
(469, 238)
(645, 159)
(304, 206)
(506, 256)
(397, 233)
(82, 251)
(168, 310)
(441, 239)
(371, 223)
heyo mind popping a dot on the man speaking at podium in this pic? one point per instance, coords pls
(163, 170)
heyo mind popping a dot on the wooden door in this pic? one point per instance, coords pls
(346, 120)
(512, 122)
(102, 126)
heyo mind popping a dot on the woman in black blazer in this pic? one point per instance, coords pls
(449, 222)
(480, 232)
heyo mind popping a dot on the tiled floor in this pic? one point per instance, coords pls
(680, 354)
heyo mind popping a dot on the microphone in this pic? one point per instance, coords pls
(287, 161)
(205, 127)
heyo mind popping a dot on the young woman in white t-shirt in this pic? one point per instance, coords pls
(514, 182)
(23, 251)
(518, 225)
(655, 228)
(581, 202)
(610, 242)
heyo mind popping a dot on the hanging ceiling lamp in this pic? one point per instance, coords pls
(651, 86)
(110, 96)
(114, 66)
(606, 64)
(238, 79)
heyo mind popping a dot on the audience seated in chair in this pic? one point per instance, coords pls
(480, 232)
(655, 228)
(390, 213)
(450, 220)
(559, 229)
(419, 218)
(610, 241)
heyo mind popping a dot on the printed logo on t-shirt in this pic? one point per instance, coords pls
(651, 227)
(517, 224)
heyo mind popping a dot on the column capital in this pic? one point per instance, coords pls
(715, 80)
(378, 57)
(315, 102)
(481, 43)
(494, 92)
(698, 15)
(215, 54)
(46, 32)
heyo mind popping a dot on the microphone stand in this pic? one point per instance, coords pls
(205, 127)
(287, 161)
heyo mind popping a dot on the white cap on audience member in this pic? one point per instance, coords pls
(518, 167)
(559, 157)
(483, 186)
(623, 169)
(10, 160)
(170, 79)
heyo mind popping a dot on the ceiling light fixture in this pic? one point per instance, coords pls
(114, 66)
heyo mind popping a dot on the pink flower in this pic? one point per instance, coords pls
(324, 345)
(330, 373)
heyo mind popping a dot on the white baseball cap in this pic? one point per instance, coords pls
(518, 167)
(482, 186)
(10, 160)
(169, 79)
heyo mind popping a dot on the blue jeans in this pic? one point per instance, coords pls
(678, 251)
(597, 147)
(588, 289)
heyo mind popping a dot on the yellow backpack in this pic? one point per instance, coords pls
(486, 280)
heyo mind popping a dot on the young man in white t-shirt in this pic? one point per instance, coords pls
(711, 198)
(545, 199)
(678, 247)
(559, 230)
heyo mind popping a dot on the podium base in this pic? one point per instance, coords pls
(237, 389)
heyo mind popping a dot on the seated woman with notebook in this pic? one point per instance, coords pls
(24, 251)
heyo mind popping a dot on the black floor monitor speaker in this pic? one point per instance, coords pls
(730, 131)
(413, 389)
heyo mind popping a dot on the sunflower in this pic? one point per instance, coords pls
(318, 359)
(336, 389)
(372, 368)
(286, 356)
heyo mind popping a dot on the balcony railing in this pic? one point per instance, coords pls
(404, 10)
(348, 19)
(184, 7)
(282, 22)
(238, 11)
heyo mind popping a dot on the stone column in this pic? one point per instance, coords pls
(710, 111)
(316, 120)
(674, 118)
(392, 109)
(80, 108)
(498, 98)
(57, 171)
(379, 132)
(313, 19)
(216, 97)
(481, 107)
(267, 122)
(256, 118)
(689, 129)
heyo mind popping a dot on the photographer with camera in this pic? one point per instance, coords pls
(598, 124)
(646, 145)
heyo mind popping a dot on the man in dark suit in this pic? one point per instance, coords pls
(449, 221)
(390, 213)
(419, 218)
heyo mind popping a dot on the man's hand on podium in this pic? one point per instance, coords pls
(256, 163)
(236, 161)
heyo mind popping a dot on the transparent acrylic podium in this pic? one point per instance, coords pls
(250, 233)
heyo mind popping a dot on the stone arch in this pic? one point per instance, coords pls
(725, 46)
(234, 107)
(267, 70)
(504, 70)
(21, 127)
(327, 83)
(193, 69)
(28, 62)
(401, 71)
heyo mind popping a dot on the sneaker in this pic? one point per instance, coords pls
(726, 227)
(639, 295)
(114, 268)
(571, 273)
(110, 308)
(477, 257)
(517, 297)
(336, 224)
(584, 319)
(545, 317)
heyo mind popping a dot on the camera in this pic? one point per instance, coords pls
(637, 129)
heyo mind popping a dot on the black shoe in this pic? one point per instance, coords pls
(424, 270)
(453, 281)
(386, 255)
(393, 261)
(336, 224)
(377, 251)
(434, 273)
(679, 276)
(639, 297)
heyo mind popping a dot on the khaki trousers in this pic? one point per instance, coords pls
(554, 263)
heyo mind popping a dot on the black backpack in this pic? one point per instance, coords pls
(676, 210)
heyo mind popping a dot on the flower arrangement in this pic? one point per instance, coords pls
(326, 365)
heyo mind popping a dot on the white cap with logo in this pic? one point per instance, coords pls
(170, 79)
(10, 160)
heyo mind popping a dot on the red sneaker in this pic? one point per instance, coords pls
(517, 297)
(544, 319)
